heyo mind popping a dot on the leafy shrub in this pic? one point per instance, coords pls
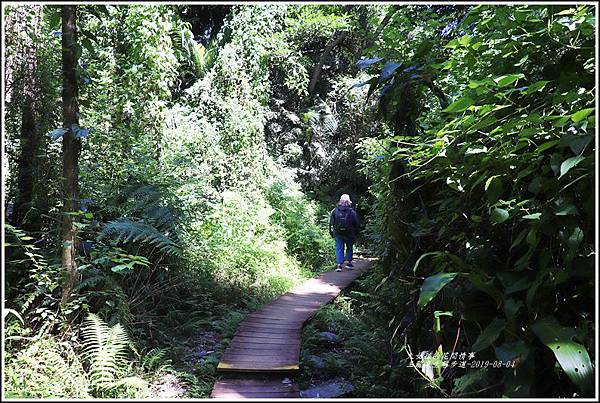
(45, 368)
(306, 234)
(490, 195)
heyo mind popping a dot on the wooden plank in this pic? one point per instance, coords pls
(262, 395)
(269, 327)
(242, 380)
(269, 340)
(269, 317)
(272, 362)
(267, 335)
(282, 341)
(268, 320)
(247, 356)
(292, 352)
(224, 388)
(261, 346)
(257, 366)
(254, 344)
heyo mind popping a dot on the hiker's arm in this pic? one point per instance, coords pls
(331, 222)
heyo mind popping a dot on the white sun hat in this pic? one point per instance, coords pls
(346, 197)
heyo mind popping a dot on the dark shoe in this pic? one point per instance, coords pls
(349, 266)
(338, 268)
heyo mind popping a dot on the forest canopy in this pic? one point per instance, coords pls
(168, 169)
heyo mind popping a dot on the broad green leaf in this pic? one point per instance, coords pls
(521, 284)
(499, 215)
(578, 143)
(489, 334)
(568, 164)
(535, 185)
(476, 150)
(547, 145)
(388, 69)
(459, 105)
(493, 188)
(361, 64)
(516, 350)
(464, 40)
(572, 357)
(575, 238)
(508, 79)
(582, 114)
(88, 45)
(538, 85)
(519, 239)
(432, 285)
(534, 216)
(57, 133)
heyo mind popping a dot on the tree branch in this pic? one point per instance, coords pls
(337, 38)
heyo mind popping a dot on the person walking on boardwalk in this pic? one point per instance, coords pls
(343, 226)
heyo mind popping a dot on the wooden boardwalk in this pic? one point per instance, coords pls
(266, 346)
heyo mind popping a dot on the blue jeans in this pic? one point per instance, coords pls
(340, 242)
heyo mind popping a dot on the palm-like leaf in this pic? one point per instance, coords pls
(125, 230)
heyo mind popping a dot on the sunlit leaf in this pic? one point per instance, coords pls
(388, 69)
(499, 215)
(432, 285)
(503, 81)
(572, 356)
(537, 86)
(459, 105)
(493, 188)
(582, 114)
(570, 163)
(57, 133)
(361, 64)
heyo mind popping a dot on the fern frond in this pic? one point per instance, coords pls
(125, 230)
(105, 348)
(154, 358)
(322, 121)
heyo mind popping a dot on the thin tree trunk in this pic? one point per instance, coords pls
(337, 38)
(25, 167)
(71, 149)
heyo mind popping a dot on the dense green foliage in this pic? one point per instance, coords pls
(491, 193)
(213, 149)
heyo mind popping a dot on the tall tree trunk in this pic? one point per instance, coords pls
(337, 38)
(25, 167)
(21, 90)
(71, 149)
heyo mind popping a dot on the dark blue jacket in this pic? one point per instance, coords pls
(354, 217)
